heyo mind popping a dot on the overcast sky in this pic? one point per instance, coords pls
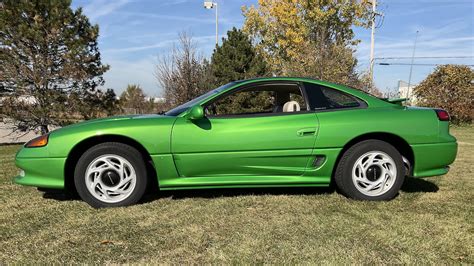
(133, 33)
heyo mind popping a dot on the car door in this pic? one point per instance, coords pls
(255, 130)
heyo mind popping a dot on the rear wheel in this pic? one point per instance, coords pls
(111, 175)
(370, 170)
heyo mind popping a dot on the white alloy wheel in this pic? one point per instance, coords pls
(374, 173)
(110, 178)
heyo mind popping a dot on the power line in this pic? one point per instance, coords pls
(409, 64)
(424, 57)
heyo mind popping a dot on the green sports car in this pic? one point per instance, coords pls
(269, 132)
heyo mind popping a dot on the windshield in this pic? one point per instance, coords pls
(178, 110)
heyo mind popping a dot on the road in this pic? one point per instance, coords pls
(7, 136)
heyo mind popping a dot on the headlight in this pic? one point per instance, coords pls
(40, 141)
(22, 173)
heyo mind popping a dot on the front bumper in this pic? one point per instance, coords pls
(433, 159)
(41, 172)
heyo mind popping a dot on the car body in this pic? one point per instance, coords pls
(193, 147)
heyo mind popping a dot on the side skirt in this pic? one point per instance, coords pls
(243, 181)
(244, 186)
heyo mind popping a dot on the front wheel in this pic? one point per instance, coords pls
(110, 175)
(370, 170)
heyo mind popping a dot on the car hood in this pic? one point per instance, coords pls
(143, 129)
(110, 120)
(121, 117)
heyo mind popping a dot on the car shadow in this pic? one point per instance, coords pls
(411, 185)
(415, 185)
(235, 192)
(59, 194)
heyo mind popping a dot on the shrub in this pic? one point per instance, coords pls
(449, 87)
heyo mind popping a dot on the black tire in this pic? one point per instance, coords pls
(343, 176)
(130, 154)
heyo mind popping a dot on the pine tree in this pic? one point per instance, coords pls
(236, 59)
(132, 99)
(48, 52)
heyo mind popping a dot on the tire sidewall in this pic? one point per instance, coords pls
(125, 151)
(354, 153)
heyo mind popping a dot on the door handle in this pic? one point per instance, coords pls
(311, 131)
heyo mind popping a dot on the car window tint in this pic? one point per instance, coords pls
(261, 99)
(322, 98)
(337, 99)
(245, 102)
(297, 97)
(178, 110)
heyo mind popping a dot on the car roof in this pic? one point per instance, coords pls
(303, 79)
(373, 101)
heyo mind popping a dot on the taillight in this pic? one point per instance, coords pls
(442, 115)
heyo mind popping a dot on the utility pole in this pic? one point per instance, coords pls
(372, 41)
(411, 67)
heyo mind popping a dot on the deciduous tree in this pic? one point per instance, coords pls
(307, 37)
(183, 74)
(133, 99)
(449, 87)
(94, 104)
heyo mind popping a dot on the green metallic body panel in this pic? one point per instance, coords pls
(414, 126)
(151, 131)
(255, 146)
(236, 163)
(41, 172)
(326, 169)
(433, 159)
(254, 151)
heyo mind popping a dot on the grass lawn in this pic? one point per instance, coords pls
(431, 221)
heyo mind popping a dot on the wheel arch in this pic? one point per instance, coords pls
(396, 141)
(87, 143)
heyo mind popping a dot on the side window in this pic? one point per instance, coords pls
(245, 102)
(297, 97)
(322, 98)
(337, 99)
(260, 99)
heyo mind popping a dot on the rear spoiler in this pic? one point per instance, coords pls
(395, 100)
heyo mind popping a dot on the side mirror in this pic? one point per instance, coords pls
(195, 113)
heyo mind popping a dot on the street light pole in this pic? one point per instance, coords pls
(217, 30)
(210, 5)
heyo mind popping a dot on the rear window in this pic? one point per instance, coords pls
(322, 98)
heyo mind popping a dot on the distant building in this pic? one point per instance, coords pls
(406, 92)
(155, 99)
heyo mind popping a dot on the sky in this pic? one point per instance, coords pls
(135, 33)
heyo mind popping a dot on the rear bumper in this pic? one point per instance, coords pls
(433, 159)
